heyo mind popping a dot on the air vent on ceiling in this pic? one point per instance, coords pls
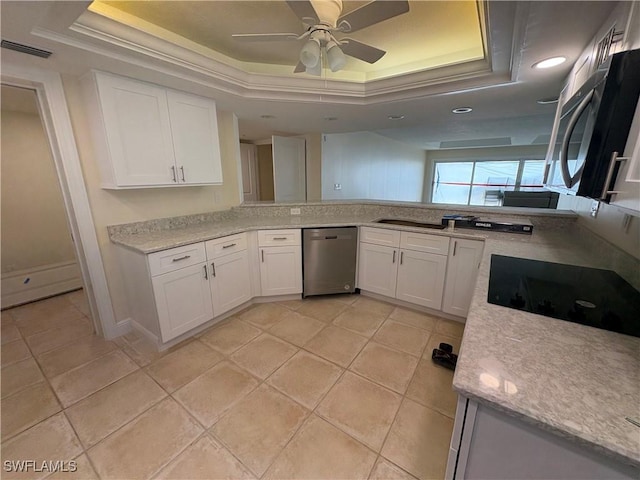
(480, 142)
(18, 47)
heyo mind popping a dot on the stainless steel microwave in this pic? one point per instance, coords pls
(593, 129)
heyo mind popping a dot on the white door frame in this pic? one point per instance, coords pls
(57, 124)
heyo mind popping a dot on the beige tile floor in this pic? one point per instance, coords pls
(336, 387)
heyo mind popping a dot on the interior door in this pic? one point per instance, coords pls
(248, 158)
(289, 169)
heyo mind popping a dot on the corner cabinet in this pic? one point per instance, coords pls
(280, 262)
(462, 270)
(149, 136)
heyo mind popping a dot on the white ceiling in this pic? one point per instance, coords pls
(502, 94)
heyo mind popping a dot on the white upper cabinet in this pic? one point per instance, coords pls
(150, 136)
(194, 127)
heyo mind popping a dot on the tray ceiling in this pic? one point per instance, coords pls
(429, 36)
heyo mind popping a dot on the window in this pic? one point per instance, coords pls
(484, 182)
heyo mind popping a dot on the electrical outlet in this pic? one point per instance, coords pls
(337, 186)
(595, 205)
(295, 211)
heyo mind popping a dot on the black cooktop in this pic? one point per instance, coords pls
(589, 296)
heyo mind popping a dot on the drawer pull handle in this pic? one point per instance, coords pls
(401, 257)
(262, 252)
(206, 276)
(455, 247)
(181, 258)
(229, 246)
(173, 174)
(279, 238)
(394, 257)
(182, 171)
(213, 269)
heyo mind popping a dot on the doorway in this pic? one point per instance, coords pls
(57, 125)
(38, 255)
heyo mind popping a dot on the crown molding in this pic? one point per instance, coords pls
(100, 35)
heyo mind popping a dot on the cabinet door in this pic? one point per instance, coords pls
(377, 269)
(230, 282)
(281, 270)
(421, 278)
(183, 300)
(136, 123)
(194, 127)
(462, 271)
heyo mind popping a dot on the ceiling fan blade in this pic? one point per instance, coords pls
(372, 13)
(361, 51)
(300, 68)
(264, 37)
(304, 10)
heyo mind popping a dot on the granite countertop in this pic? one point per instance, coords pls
(154, 241)
(576, 381)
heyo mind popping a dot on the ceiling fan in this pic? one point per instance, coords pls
(322, 19)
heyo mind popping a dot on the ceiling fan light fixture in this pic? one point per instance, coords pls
(335, 56)
(310, 53)
(315, 69)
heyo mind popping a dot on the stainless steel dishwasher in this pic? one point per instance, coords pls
(329, 260)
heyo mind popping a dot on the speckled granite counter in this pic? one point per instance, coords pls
(575, 381)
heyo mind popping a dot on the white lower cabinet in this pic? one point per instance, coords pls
(421, 278)
(174, 291)
(378, 270)
(432, 271)
(415, 274)
(183, 300)
(280, 262)
(228, 259)
(462, 270)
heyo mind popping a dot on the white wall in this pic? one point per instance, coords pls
(370, 166)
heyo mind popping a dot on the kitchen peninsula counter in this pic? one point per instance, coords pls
(575, 381)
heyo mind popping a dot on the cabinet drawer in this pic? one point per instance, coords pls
(423, 242)
(274, 238)
(380, 236)
(176, 258)
(226, 245)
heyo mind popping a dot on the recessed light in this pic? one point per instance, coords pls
(330, 119)
(267, 117)
(549, 62)
(547, 101)
(462, 110)
(395, 117)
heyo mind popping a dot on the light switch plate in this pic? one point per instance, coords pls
(337, 186)
(595, 205)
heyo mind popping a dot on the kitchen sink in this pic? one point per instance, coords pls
(411, 223)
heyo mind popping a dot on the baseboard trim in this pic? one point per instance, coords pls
(413, 306)
(33, 284)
